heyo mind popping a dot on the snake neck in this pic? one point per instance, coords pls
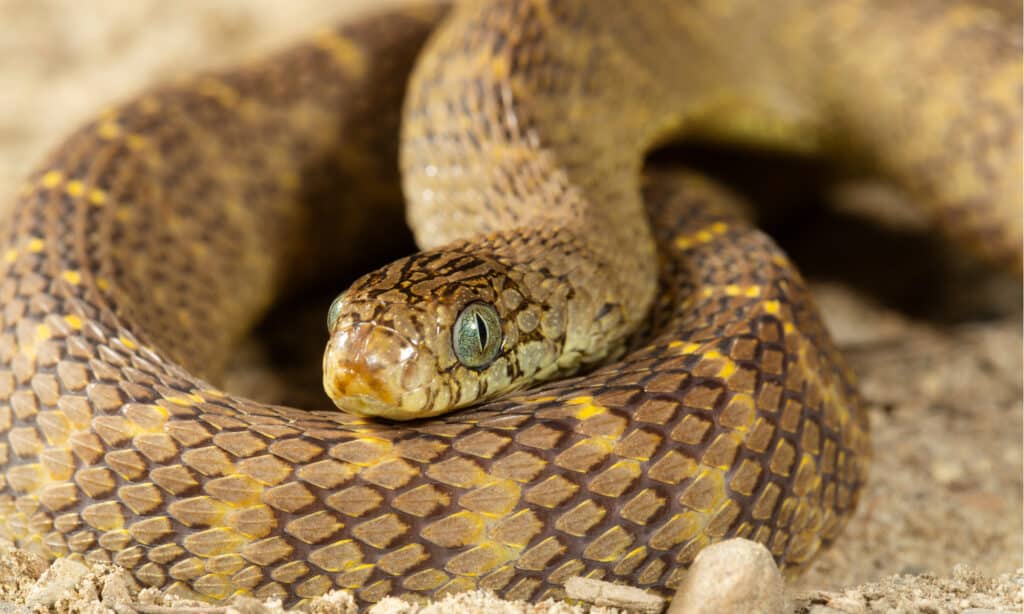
(546, 124)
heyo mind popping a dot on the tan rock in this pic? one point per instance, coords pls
(600, 593)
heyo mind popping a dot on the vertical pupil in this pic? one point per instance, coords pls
(481, 328)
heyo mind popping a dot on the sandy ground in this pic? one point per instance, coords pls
(938, 348)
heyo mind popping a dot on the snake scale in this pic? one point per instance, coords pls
(712, 402)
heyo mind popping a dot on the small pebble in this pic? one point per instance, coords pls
(823, 609)
(249, 605)
(737, 575)
(333, 601)
(61, 577)
(606, 594)
(847, 605)
(117, 588)
(947, 472)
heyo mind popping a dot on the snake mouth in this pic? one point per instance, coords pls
(357, 392)
(363, 370)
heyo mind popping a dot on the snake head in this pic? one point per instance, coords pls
(429, 334)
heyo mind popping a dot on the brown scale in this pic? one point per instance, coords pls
(156, 236)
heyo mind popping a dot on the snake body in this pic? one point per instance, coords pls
(153, 238)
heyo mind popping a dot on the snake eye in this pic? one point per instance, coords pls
(476, 336)
(333, 313)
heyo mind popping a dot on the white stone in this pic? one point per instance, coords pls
(737, 575)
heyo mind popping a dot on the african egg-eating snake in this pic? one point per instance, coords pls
(732, 420)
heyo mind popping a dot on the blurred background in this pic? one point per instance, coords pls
(62, 61)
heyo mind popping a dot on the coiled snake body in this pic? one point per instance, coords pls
(149, 242)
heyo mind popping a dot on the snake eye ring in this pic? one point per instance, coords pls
(333, 313)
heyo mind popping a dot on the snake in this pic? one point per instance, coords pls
(638, 372)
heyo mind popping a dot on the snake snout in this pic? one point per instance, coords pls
(365, 369)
